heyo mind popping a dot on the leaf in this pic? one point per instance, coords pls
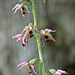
(52, 71)
(30, 25)
(40, 67)
(33, 61)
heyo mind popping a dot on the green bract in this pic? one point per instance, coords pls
(33, 61)
(52, 71)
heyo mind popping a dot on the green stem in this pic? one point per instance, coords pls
(38, 43)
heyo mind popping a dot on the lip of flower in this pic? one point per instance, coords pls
(30, 34)
(47, 39)
(26, 64)
(24, 41)
(19, 37)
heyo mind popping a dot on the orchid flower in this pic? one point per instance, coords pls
(26, 64)
(46, 34)
(59, 72)
(22, 7)
(29, 31)
(19, 37)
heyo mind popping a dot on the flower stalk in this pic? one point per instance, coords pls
(38, 42)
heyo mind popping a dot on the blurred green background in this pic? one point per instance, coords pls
(58, 15)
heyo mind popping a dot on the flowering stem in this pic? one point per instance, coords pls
(38, 43)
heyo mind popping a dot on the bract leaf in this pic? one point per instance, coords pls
(30, 25)
(33, 61)
(52, 71)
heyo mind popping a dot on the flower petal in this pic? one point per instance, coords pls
(18, 40)
(51, 37)
(16, 6)
(49, 30)
(24, 29)
(36, 31)
(26, 8)
(16, 10)
(17, 36)
(33, 69)
(23, 64)
(57, 73)
(62, 72)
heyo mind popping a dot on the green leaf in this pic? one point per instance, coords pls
(40, 67)
(30, 25)
(52, 71)
(33, 61)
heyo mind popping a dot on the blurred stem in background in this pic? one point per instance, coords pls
(38, 43)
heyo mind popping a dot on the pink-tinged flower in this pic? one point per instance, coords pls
(46, 34)
(29, 32)
(26, 64)
(59, 72)
(22, 7)
(19, 37)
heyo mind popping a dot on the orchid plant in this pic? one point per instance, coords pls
(40, 36)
